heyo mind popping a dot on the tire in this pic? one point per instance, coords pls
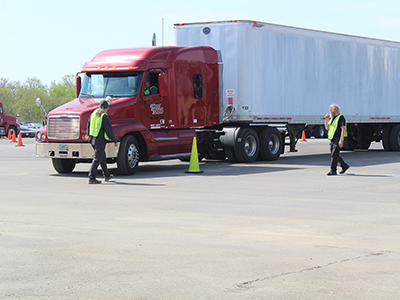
(349, 143)
(230, 154)
(63, 165)
(386, 138)
(219, 155)
(319, 132)
(363, 144)
(128, 155)
(12, 128)
(248, 145)
(271, 144)
(395, 138)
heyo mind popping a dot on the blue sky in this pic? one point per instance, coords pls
(48, 39)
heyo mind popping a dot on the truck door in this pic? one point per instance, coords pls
(155, 116)
(154, 106)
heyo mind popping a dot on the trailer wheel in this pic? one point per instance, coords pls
(128, 155)
(63, 165)
(270, 144)
(248, 145)
(319, 132)
(363, 144)
(349, 143)
(395, 138)
(386, 138)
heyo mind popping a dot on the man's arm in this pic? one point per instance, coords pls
(343, 130)
(108, 128)
(326, 121)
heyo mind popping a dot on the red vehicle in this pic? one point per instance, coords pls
(7, 122)
(149, 126)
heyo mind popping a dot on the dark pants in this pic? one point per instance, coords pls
(335, 156)
(99, 158)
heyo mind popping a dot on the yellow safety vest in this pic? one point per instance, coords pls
(95, 125)
(333, 126)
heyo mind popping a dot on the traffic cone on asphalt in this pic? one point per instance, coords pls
(194, 166)
(9, 135)
(13, 137)
(303, 136)
(19, 141)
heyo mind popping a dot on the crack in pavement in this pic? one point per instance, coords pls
(248, 284)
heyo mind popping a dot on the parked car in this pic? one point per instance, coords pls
(28, 129)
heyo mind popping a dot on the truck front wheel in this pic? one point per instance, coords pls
(128, 155)
(248, 146)
(63, 165)
(271, 144)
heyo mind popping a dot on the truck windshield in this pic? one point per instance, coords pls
(100, 85)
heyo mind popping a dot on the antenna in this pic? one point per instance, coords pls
(163, 32)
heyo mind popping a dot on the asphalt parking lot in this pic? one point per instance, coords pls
(265, 230)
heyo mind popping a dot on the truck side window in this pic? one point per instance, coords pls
(197, 86)
(151, 84)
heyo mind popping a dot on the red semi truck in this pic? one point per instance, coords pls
(148, 127)
(241, 87)
(7, 122)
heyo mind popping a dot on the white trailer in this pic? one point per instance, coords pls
(286, 77)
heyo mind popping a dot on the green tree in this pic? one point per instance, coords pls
(20, 98)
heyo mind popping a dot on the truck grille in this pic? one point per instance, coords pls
(63, 127)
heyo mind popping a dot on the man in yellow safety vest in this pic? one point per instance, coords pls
(336, 125)
(100, 131)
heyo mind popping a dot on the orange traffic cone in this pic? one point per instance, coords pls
(19, 141)
(9, 135)
(13, 137)
(303, 136)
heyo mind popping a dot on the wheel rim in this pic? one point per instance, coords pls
(250, 145)
(321, 132)
(273, 144)
(133, 156)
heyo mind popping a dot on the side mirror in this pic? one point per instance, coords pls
(78, 85)
(163, 84)
(38, 102)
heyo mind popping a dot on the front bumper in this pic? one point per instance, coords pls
(72, 150)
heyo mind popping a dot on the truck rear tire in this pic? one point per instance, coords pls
(230, 154)
(63, 165)
(128, 155)
(395, 138)
(386, 138)
(248, 145)
(270, 144)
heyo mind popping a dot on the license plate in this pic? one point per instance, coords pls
(62, 148)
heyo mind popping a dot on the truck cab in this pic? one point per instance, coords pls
(159, 96)
(7, 123)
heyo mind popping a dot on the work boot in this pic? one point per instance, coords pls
(331, 173)
(107, 179)
(344, 169)
(94, 181)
